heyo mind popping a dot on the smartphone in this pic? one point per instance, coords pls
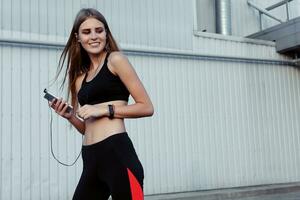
(50, 97)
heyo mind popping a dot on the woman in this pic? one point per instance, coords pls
(101, 80)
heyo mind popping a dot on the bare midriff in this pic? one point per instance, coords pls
(98, 129)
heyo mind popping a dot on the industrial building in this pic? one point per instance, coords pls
(223, 76)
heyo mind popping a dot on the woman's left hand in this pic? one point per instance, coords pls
(88, 111)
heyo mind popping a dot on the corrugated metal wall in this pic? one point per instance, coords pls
(217, 123)
(131, 21)
(27, 169)
(245, 19)
(221, 124)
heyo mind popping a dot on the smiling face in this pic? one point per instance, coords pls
(92, 36)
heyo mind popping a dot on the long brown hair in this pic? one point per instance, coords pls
(78, 61)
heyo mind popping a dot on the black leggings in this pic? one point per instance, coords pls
(110, 167)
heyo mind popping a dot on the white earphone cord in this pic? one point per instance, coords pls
(51, 143)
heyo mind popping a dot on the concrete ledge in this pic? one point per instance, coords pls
(232, 193)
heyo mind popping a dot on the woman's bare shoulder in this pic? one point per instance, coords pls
(116, 57)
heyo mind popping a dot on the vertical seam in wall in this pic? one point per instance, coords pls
(47, 158)
(11, 124)
(39, 128)
(10, 117)
(1, 28)
(58, 149)
(1, 117)
(66, 126)
(20, 18)
(195, 15)
(30, 128)
(21, 124)
(39, 106)
(21, 115)
(30, 111)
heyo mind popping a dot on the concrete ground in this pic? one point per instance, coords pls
(286, 196)
(289, 191)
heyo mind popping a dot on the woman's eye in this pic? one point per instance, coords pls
(97, 30)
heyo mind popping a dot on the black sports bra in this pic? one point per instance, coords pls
(104, 87)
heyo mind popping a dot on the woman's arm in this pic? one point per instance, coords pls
(142, 107)
(60, 107)
(77, 123)
(120, 66)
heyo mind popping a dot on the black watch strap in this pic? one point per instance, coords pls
(111, 111)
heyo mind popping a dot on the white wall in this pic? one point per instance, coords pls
(217, 123)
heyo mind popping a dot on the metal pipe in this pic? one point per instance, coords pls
(223, 16)
(32, 43)
(152, 52)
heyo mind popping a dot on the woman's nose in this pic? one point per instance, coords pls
(93, 35)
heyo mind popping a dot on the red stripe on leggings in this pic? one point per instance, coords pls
(136, 190)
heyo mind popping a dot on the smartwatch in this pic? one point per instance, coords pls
(111, 111)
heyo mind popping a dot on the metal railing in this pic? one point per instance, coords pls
(267, 13)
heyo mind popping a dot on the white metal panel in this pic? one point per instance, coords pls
(216, 124)
(206, 15)
(215, 44)
(152, 23)
(295, 11)
(26, 163)
(16, 127)
(245, 20)
(6, 127)
(1, 115)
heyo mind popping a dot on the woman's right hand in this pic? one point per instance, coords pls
(60, 106)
